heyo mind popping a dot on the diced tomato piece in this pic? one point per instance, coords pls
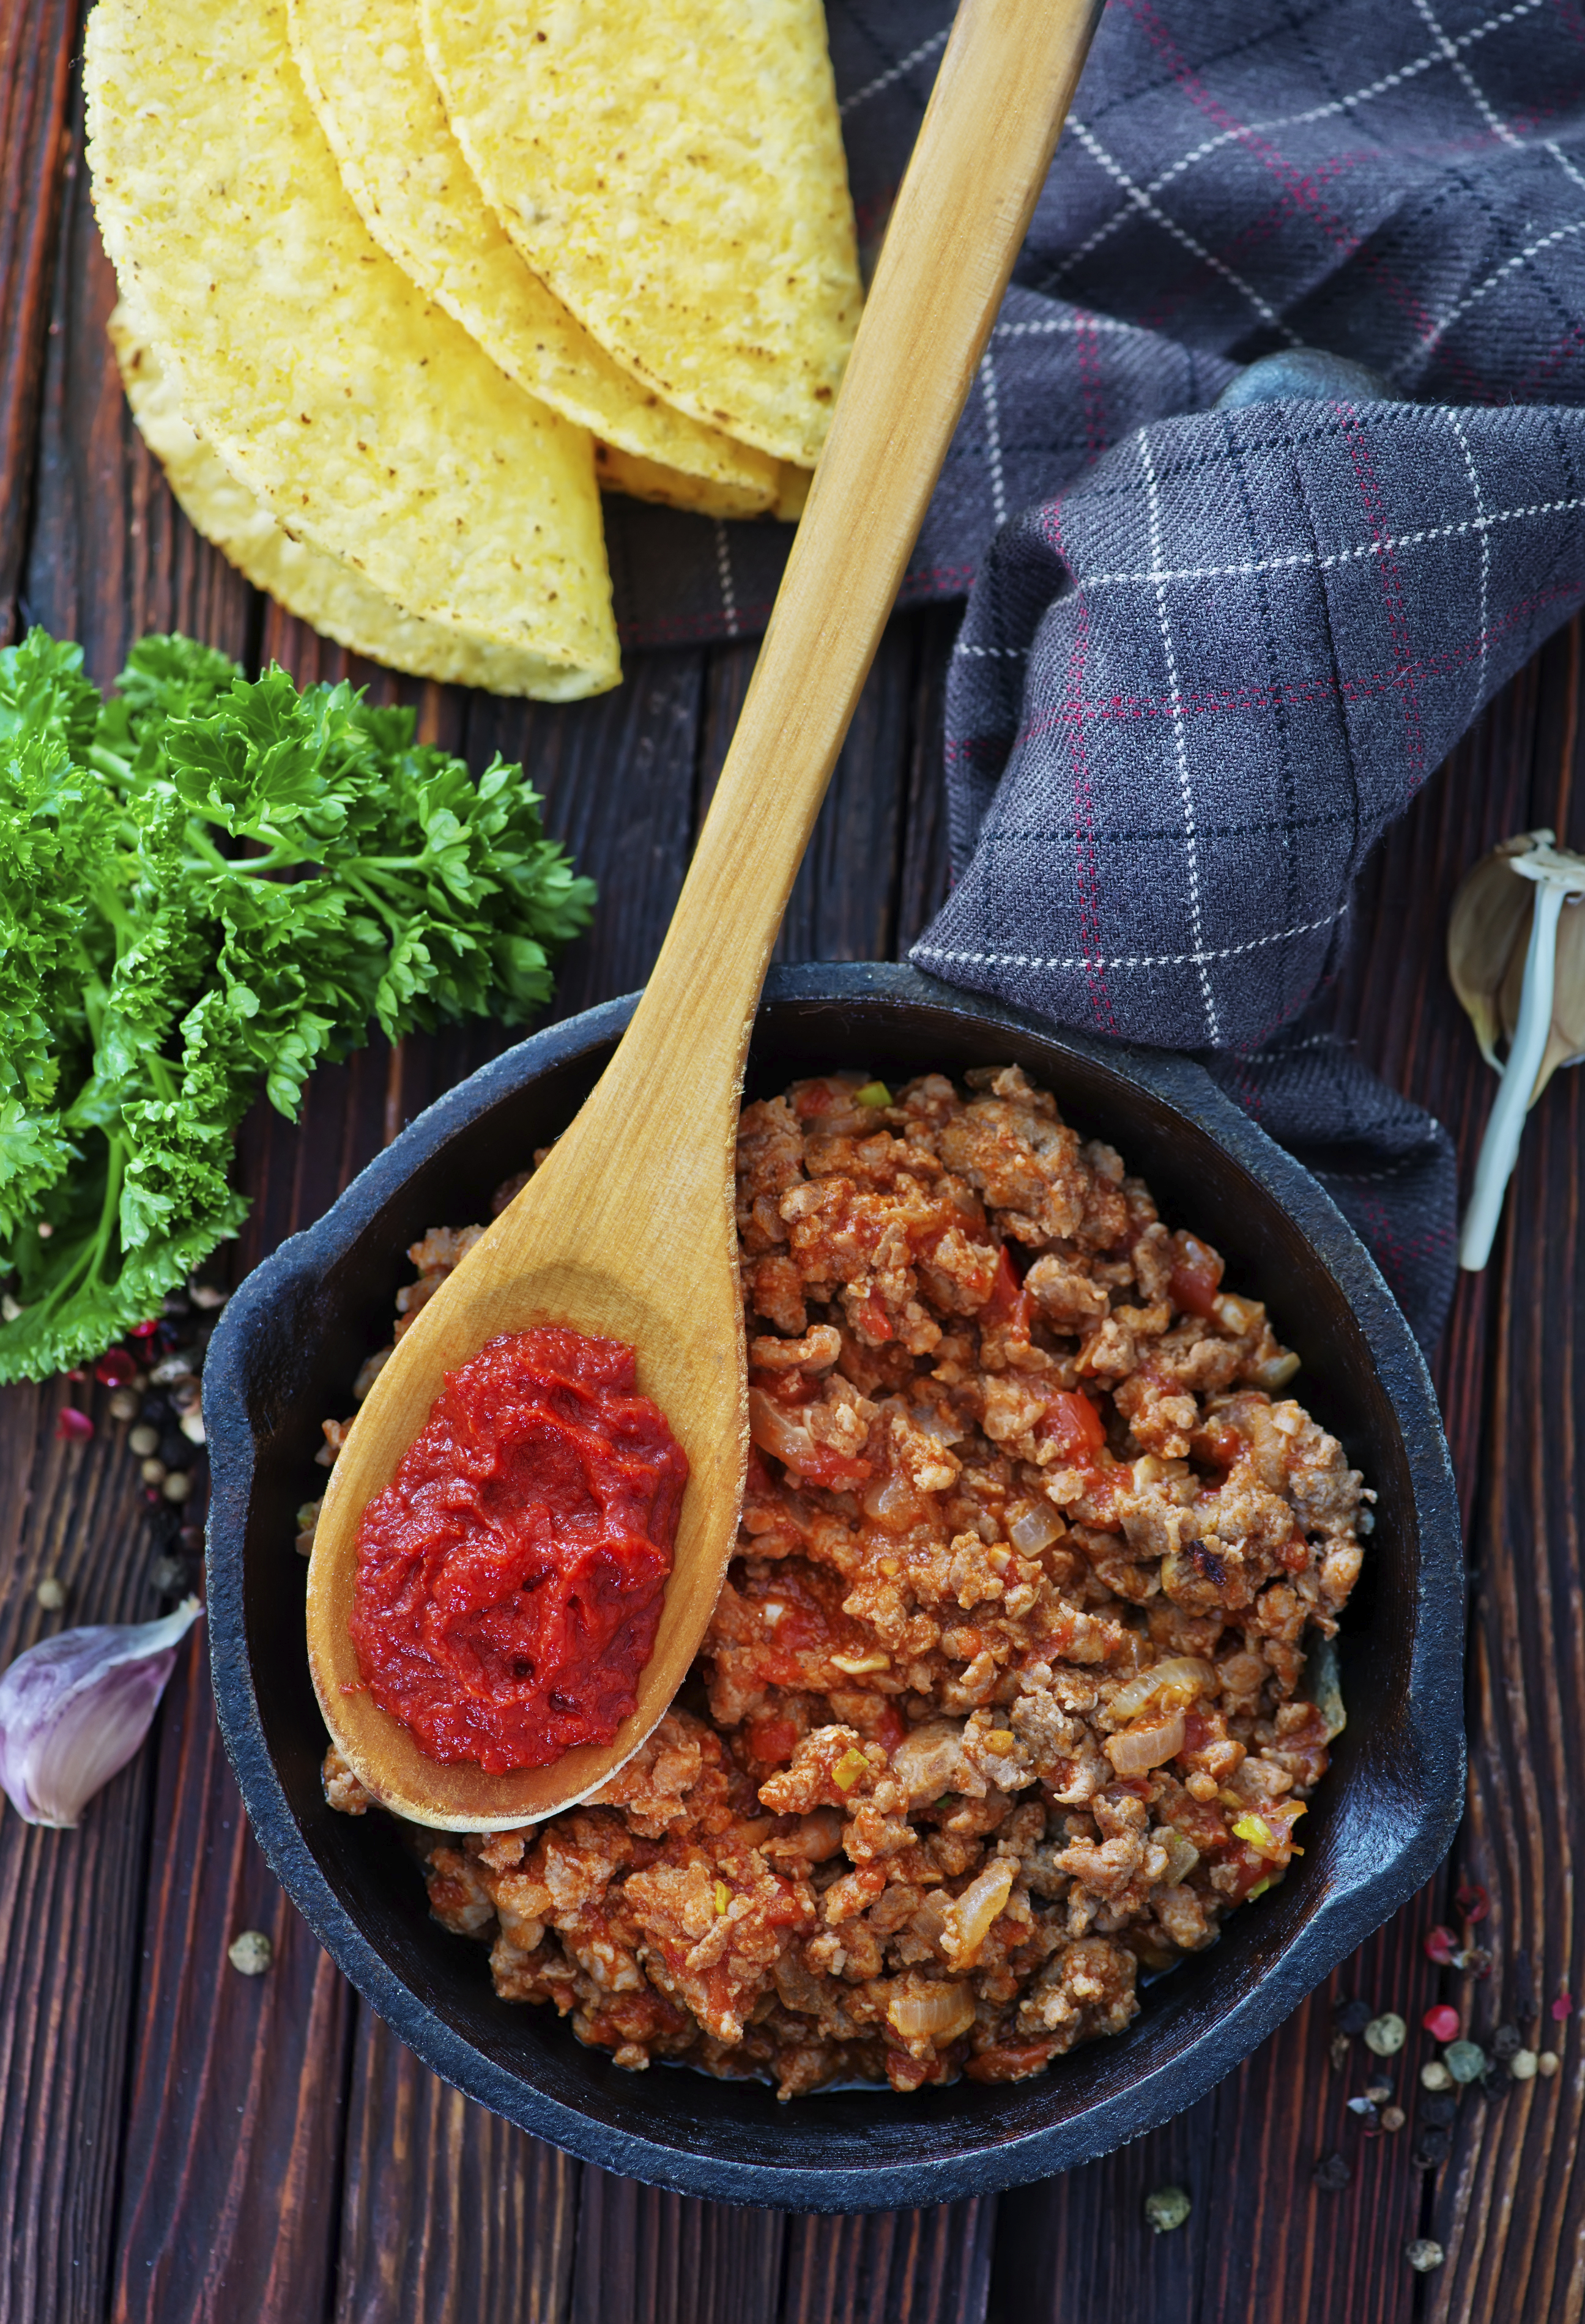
(873, 1320)
(890, 1727)
(1196, 1277)
(773, 1741)
(1074, 1426)
(1009, 1302)
(810, 1100)
(833, 1469)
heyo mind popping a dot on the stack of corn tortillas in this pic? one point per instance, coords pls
(403, 282)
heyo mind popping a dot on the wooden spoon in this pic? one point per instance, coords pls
(627, 1230)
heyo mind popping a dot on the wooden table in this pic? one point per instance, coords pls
(182, 2141)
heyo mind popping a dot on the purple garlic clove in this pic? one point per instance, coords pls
(74, 1708)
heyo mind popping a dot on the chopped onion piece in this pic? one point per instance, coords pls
(74, 1708)
(1036, 1528)
(1186, 1675)
(921, 2010)
(1137, 1749)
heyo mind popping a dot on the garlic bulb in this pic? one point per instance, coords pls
(74, 1708)
(1488, 938)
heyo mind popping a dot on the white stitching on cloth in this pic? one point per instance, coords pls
(1457, 426)
(1180, 746)
(1472, 89)
(1434, 337)
(1333, 557)
(992, 438)
(1382, 87)
(1140, 960)
(1137, 194)
(884, 81)
(724, 574)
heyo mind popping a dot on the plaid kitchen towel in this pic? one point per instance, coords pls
(1213, 653)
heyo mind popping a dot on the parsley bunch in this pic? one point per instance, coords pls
(205, 880)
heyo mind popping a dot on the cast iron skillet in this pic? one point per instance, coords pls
(294, 1336)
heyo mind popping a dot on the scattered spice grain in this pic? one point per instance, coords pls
(1386, 2034)
(1333, 2173)
(1167, 2208)
(1423, 2256)
(252, 1952)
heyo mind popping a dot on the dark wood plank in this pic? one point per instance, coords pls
(70, 1901)
(891, 2267)
(234, 2133)
(1510, 2209)
(37, 41)
(648, 2257)
(450, 2216)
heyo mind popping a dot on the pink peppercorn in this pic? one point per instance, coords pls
(114, 1368)
(73, 1426)
(1472, 1900)
(1441, 1944)
(1441, 2023)
(1564, 2006)
(145, 1331)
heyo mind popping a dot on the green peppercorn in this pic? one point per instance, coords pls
(1167, 2208)
(1465, 2060)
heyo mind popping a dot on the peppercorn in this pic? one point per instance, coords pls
(1167, 2208)
(1522, 2065)
(1338, 2048)
(1386, 2035)
(1436, 2075)
(1431, 2148)
(50, 1593)
(123, 1405)
(1378, 2091)
(169, 1576)
(1438, 2108)
(1465, 2060)
(1547, 2064)
(1333, 2173)
(175, 1448)
(144, 1442)
(177, 1486)
(1441, 2023)
(1352, 2017)
(1506, 2042)
(1423, 2256)
(252, 1952)
(1365, 2110)
(1441, 1944)
(1393, 2118)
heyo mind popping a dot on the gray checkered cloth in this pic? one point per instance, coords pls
(1212, 654)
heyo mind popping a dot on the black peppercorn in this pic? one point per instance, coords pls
(157, 1410)
(1333, 2173)
(1506, 2042)
(1432, 2147)
(1437, 2108)
(1352, 2017)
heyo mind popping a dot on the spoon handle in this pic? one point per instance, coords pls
(960, 217)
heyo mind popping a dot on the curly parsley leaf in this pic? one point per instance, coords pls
(208, 882)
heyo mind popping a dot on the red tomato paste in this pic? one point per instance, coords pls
(510, 1580)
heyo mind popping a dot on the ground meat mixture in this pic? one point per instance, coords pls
(1002, 1702)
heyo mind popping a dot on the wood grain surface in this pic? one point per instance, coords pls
(182, 2141)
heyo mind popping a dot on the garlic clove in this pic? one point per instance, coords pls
(1566, 1041)
(74, 1708)
(1487, 931)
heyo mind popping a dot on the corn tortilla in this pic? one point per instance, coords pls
(363, 65)
(674, 171)
(358, 414)
(318, 589)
